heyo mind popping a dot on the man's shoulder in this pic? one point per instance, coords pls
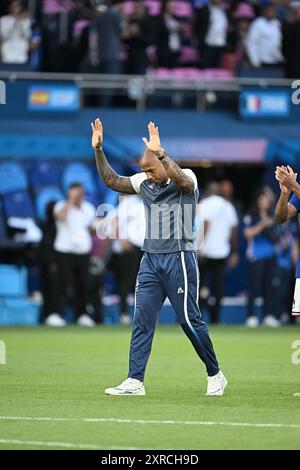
(192, 175)
(137, 180)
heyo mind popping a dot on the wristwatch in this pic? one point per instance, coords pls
(162, 155)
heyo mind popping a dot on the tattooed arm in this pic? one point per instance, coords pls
(110, 177)
(175, 173)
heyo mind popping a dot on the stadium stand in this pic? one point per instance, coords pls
(15, 307)
(44, 197)
(12, 178)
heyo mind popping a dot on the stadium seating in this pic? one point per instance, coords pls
(189, 55)
(78, 173)
(22, 312)
(183, 9)
(18, 204)
(5, 242)
(12, 178)
(154, 7)
(128, 8)
(13, 281)
(192, 72)
(45, 174)
(43, 198)
(15, 308)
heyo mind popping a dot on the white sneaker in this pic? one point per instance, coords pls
(55, 320)
(271, 321)
(252, 322)
(128, 387)
(216, 384)
(85, 320)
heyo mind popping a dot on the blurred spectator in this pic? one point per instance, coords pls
(211, 27)
(240, 14)
(220, 246)
(108, 26)
(262, 236)
(168, 38)
(264, 39)
(109, 29)
(137, 36)
(286, 259)
(73, 243)
(15, 34)
(49, 276)
(57, 42)
(292, 43)
(227, 192)
(97, 268)
(126, 250)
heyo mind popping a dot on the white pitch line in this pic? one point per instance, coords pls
(48, 444)
(63, 444)
(141, 421)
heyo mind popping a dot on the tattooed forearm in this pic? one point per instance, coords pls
(176, 174)
(110, 177)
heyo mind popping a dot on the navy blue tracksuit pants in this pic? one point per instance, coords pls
(176, 276)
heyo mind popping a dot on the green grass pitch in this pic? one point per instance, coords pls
(51, 391)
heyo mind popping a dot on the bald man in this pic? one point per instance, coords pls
(169, 265)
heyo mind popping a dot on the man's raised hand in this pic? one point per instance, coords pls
(97, 137)
(154, 141)
(286, 177)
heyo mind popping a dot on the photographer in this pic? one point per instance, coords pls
(262, 236)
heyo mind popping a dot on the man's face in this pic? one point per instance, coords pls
(216, 2)
(297, 14)
(270, 12)
(155, 171)
(15, 8)
(76, 194)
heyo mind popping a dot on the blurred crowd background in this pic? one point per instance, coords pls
(82, 265)
(247, 38)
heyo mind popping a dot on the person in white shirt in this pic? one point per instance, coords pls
(73, 243)
(218, 246)
(264, 39)
(15, 34)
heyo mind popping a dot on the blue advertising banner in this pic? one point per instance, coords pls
(262, 104)
(53, 98)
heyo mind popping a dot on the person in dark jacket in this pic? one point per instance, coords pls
(168, 38)
(137, 37)
(291, 43)
(210, 28)
(49, 271)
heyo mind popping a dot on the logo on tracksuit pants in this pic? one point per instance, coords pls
(180, 290)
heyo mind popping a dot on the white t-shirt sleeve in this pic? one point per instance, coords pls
(192, 175)
(136, 181)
